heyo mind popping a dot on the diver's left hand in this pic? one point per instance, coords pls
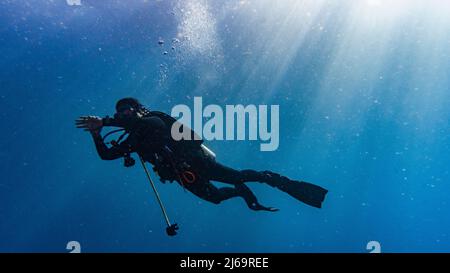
(89, 123)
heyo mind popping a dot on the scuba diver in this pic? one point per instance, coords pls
(188, 162)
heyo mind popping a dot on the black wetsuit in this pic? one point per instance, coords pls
(188, 163)
(151, 139)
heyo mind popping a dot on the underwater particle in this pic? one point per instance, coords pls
(163, 74)
(160, 41)
(99, 49)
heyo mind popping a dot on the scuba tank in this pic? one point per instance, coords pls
(183, 145)
(207, 152)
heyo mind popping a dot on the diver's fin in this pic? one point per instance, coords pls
(305, 192)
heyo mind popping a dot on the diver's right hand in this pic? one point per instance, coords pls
(92, 124)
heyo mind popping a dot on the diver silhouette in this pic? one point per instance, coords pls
(188, 162)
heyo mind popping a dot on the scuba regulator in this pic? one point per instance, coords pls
(128, 161)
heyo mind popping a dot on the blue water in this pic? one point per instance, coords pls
(363, 89)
